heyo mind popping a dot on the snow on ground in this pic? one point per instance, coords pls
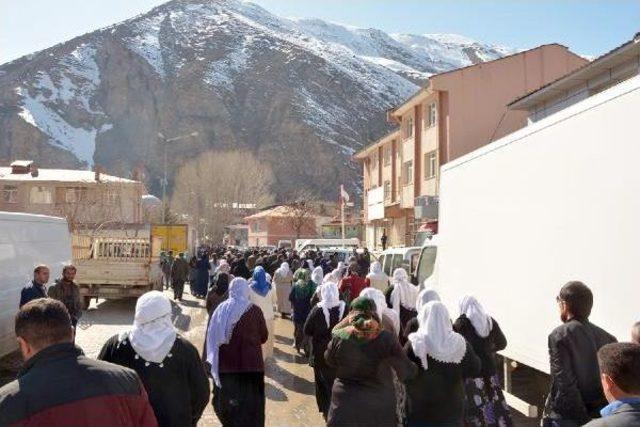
(146, 42)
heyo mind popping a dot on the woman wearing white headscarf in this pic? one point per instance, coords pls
(445, 359)
(323, 317)
(376, 277)
(168, 365)
(486, 405)
(402, 296)
(235, 336)
(283, 280)
(425, 296)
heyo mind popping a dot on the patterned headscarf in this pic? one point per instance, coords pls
(303, 286)
(259, 283)
(361, 325)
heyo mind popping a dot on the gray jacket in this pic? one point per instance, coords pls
(627, 415)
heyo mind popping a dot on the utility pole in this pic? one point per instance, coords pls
(165, 141)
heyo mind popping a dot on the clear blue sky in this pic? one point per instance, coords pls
(589, 27)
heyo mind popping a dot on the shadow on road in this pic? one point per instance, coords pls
(289, 380)
(274, 393)
(283, 340)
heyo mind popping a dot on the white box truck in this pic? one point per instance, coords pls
(556, 201)
(27, 240)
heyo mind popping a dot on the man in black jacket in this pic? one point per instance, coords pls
(59, 386)
(620, 375)
(37, 288)
(576, 394)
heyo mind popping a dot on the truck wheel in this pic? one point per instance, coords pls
(86, 301)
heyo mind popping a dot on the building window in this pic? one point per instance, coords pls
(387, 155)
(430, 165)
(407, 172)
(408, 133)
(374, 161)
(387, 190)
(255, 226)
(10, 194)
(40, 195)
(75, 195)
(430, 117)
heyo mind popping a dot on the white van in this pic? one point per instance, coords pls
(322, 244)
(426, 262)
(406, 258)
(27, 240)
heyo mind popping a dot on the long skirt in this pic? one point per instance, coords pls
(201, 283)
(283, 303)
(300, 340)
(485, 403)
(267, 348)
(324, 377)
(241, 400)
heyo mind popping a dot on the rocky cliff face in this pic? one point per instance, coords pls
(302, 94)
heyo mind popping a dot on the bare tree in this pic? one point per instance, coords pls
(301, 209)
(220, 187)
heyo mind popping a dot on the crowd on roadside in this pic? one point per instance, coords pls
(384, 352)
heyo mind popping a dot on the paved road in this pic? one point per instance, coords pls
(289, 380)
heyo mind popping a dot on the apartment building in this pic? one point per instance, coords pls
(87, 199)
(604, 72)
(270, 226)
(453, 114)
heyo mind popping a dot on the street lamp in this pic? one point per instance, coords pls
(165, 141)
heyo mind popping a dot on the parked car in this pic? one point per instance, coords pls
(27, 240)
(284, 244)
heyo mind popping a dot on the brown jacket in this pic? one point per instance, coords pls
(69, 295)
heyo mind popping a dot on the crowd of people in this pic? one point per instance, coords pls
(384, 352)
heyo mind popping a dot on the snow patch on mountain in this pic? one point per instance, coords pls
(146, 41)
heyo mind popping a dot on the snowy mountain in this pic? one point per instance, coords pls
(304, 94)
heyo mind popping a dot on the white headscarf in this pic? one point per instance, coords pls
(381, 306)
(435, 336)
(224, 319)
(317, 275)
(310, 264)
(425, 296)
(153, 334)
(481, 321)
(330, 298)
(403, 293)
(375, 270)
(284, 269)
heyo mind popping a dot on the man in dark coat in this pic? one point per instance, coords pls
(620, 369)
(67, 292)
(179, 275)
(59, 386)
(37, 288)
(576, 394)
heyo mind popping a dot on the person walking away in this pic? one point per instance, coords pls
(389, 318)
(38, 286)
(376, 277)
(300, 297)
(391, 322)
(166, 261)
(283, 280)
(402, 298)
(262, 295)
(576, 394)
(179, 275)
(425, 296)
(59, 386)
(444, 359)
(234, 350)
(383, 240)
(192, 273)
(168, 364)
(351, 286)
(321, 320)
(67, 292)
(218, 293)
(364, 354)
(485, 402)
(620, 377)
(202, 276)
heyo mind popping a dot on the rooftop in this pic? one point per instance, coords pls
(604, 62)
(60, 175)
(277, 212)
